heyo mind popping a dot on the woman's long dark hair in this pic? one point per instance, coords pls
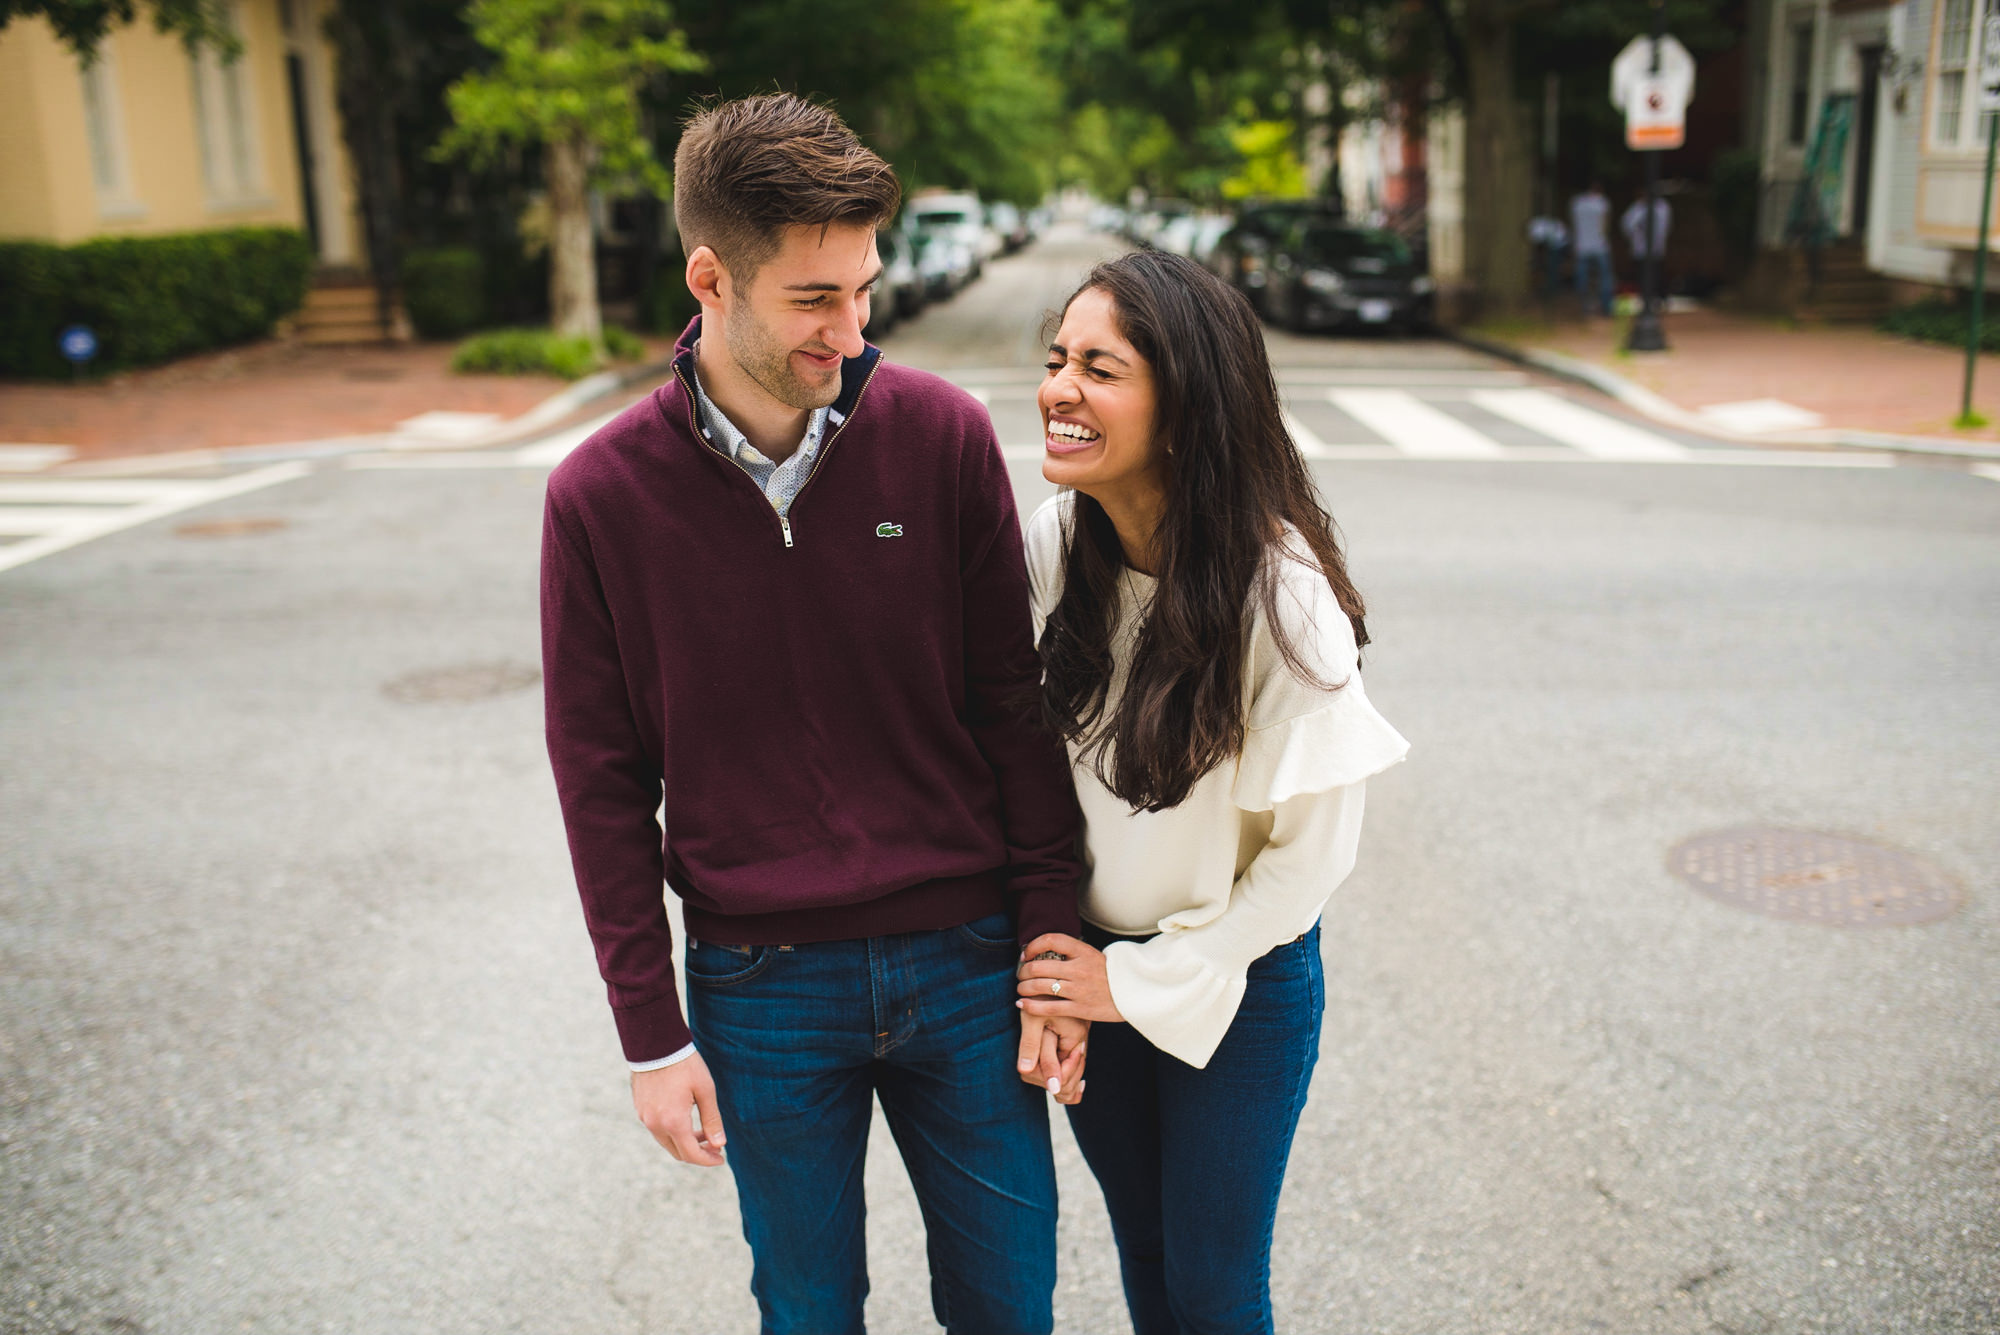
(1234, 479)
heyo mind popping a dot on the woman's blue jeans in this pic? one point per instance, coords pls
(1191, 1161)
(802, 1040)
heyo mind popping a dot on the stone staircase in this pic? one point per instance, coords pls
(340, 309)
(1847, 290)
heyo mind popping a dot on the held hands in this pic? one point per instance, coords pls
(1075, 987)
(1052, 1053)
(667, 1101)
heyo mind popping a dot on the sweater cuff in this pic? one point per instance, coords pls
(652, 1031)
(1040, 911)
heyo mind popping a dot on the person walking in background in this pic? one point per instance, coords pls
(1549, 238)
(1590, 241)
(784, 597)
(1199, 638)
(1642, 242)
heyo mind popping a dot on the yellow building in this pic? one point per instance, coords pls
(155, 137)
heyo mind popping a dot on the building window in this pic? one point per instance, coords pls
(1798, 107)
(1954, 54)
(225, 124)
(105, 131)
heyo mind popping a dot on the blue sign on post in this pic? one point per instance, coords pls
(78, 343)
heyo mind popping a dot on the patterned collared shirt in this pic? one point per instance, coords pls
(780, 482)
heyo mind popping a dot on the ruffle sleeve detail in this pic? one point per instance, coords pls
(1172, 996)
(1340, 743)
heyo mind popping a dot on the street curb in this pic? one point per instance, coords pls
(536, 421)
(1646, 402)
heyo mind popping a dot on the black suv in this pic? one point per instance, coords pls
(1328, 275)
(1242, 257)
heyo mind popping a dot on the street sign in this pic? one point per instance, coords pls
(1654, 100)
(78, 344)
(1989, 65)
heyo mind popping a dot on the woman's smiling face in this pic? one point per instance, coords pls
(1097, 407)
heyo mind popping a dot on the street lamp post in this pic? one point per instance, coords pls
(1647, 334)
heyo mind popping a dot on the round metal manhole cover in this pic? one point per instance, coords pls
(230, 528)
(467, 681)
(1805, 876)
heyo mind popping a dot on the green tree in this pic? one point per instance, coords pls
(568, 80)
(82, 24)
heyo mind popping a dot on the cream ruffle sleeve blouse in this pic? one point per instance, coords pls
(1246, 863)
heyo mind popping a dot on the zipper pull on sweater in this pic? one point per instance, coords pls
(786, 524)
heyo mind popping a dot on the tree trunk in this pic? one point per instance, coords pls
(1499, 173)
(572, 254)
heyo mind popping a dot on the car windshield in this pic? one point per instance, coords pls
(941, 218)
(1336, 245)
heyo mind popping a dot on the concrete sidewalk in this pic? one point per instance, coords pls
(1747, 378)
(280, 395)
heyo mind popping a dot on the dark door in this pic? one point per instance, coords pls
(295, 74)
(1864, 136)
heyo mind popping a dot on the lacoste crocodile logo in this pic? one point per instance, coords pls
(888, 530)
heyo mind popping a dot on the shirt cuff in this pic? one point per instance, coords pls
(663, 1062)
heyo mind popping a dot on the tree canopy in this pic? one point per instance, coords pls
(82, 24)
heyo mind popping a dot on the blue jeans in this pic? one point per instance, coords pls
(1593, 270)
(1191, 1161)
(801, 1040)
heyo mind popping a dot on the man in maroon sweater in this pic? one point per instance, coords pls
(784, 604)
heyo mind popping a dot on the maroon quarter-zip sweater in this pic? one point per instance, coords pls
(830, 708)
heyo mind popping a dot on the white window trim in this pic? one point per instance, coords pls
(232, 185)
(116, 201)
(1970, 140)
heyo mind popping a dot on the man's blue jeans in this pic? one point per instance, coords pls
(801, 1040)
(1593, 281)
(1191, 1161)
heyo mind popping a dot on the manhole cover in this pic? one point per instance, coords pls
(230, 528)
(1804, 876)
(468, 681)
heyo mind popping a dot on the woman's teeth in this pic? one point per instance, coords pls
(1071, 431)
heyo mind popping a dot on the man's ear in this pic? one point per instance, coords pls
(707, 279)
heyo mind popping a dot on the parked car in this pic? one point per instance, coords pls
(1242, 254)
(1146, 225)
(899, 293)
(1010, 225)
(958, 217)
(1327, 275)
(943, 263)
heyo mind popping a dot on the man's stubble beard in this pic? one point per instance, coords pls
(769, 363)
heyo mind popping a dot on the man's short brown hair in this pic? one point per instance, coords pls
(748, 169)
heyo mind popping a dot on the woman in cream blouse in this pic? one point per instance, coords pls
(1199, 639)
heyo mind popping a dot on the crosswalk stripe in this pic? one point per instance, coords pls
(1596, 434)
(123, 505)
(95, 491)
(1308, 441)
(32, 519)
(1413, 426)
(552, 450)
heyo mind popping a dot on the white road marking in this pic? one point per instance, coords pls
(1413, 426)
(115, 505)
(552, 450)
(32, 458)
(1594, 433)
(1988, 471)
(1308, 441)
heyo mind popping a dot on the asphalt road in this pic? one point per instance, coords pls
(302, 1032)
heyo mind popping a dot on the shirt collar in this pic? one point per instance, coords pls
(727, 437)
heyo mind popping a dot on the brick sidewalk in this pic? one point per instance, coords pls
(1853, 377)
(274, 392)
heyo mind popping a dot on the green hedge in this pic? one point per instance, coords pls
(1944, 320)
(444, 291)
(522, 351)
(147, 298)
